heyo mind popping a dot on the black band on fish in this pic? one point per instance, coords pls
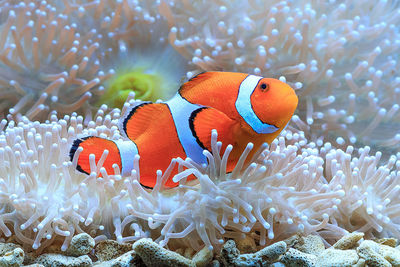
(127, 118)
(72, 151)
(191, 125)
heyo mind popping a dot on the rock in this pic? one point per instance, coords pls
(390, 254)
(153, 254)
(29, 258)
(58, 260)
(246, 245)
(360, 263)
(348, 241)
(203, 257)
(12, 258)
(368, 251)
(311, 244)
(6, 247)
(81, 244)
(230, 255)
(110, 249)
(181, 251)
(272, 253)
(54, 248)
(214, 263)
(245, 260)
(391, 242)
(294, 257)
(337, 258)
(188, 253)
(129, 259)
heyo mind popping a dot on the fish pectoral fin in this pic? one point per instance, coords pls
(96, 146)
(204, 120)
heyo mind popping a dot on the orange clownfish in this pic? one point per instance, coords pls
(242, 108)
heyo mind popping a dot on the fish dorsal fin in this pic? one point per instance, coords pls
(194, 81)
(127, 114)
(140, 118)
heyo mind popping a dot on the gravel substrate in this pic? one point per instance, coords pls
(351, 250)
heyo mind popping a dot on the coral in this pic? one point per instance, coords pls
(58, 260)
(203, 257)
(337, 258)
(81, 244)
(391, 242)
(348, 241)
(390, 254)
(294, 257)
(368, 250)
(271, 253)
(127, 259)
(12, 258)
(153, 254)
(6, 247)
(246, 244)
(110, 249)
(341, 56)
(311, 244)
(230, 255)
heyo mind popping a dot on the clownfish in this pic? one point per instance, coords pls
(242, 108)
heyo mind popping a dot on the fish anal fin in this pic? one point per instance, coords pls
(204, 120)
(95, 145)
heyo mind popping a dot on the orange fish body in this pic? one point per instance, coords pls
(242, 108)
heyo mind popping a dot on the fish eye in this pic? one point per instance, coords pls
(264, 87)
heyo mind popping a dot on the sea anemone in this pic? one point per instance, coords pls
(340, 56)
(45, 63)
(56, 58)
(287, 188)
(133, 45)
(370, 204)
(60, 57)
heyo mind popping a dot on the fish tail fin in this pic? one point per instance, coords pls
(82, 148)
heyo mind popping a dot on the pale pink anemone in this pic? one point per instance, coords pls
(301, 183)
(46, 63)
(59, 56)
(291, 187)
(342, 57)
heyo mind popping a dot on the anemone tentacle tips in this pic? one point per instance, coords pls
(292, 186)
(342, 59)
(65, 55)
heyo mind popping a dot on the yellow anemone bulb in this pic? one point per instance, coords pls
(152, 72)
(146, 86)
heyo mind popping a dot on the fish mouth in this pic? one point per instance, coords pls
(287, 108)
(293, 100)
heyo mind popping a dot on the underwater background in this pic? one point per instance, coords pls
(73, 68)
